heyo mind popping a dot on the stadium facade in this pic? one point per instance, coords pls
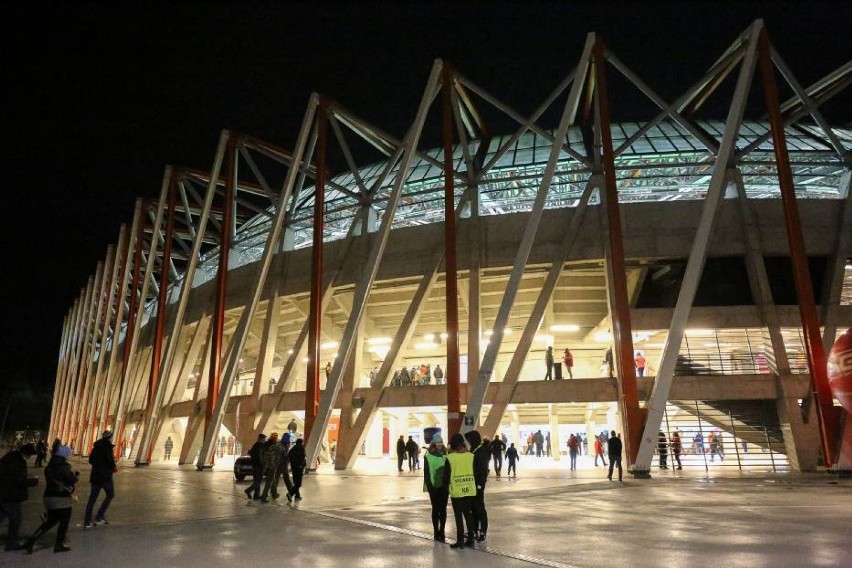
(267, 290)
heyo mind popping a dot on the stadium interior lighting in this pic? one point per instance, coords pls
(564, 327)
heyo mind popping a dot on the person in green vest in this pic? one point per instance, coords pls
(462, 489)
(434, 469)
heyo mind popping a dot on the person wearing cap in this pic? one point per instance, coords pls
(271, 457)
(59, 495)
(460, 483)
(102, 459)
(14, 483)
(298, 463)
(433, 482)
(256, 455)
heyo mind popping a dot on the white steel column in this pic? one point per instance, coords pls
(656, 405)
(86, 357)
(71, 372)
(231, 362)
(486, 369)
(371, 267)
(59, 382)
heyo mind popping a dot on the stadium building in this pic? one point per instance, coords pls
(697, 269)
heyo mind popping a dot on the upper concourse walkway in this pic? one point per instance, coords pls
(547, 516)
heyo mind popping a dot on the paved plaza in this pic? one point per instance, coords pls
(375, 517)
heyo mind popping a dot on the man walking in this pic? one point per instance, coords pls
(103, 466)
(548, 361)
(512, 457)
(413, 450)
(256, 455)
(614, 450)
(298, 462)
(13, 490)
(539, 443)
(599, 451)
(497, 448)
(640, 364)
(271, 456)
(677, 448)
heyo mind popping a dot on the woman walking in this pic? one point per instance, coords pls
(58, 497)
(462, 489)
(434, 468)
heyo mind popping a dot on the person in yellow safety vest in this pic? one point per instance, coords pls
(434, 470)
(462, 488)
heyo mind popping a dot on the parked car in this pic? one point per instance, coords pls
(242, 467)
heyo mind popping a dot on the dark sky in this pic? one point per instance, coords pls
(100, 98)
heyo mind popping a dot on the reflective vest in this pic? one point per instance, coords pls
(461, 475)
(434, 463)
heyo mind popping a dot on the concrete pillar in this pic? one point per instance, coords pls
(555, 446)
(801, 439)
(516, 431)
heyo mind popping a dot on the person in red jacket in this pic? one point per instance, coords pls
(568, 359)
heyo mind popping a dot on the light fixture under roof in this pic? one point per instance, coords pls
(545, 338)
(429, 337)
(564, 327)
(603, 337)
(380, 341)
(380, 350)
(329, 345)
(444, 335)
(700, 332)
(425, 345)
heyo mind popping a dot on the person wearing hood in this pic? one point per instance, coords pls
(481, 457)
(434, 468)
(14, 483)
(59, 495)
(102, 459)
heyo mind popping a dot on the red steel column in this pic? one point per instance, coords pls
(827, 414)
(628, 393)
(312, 390)
(217, 325)
(162, 304)
(451, 272)
(131, 318)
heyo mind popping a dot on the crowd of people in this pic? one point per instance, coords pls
(415, 376)
(60, 491)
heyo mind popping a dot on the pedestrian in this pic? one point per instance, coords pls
(663, 450)
(599, 452)
(292, 427)
(434, 470)
(481, 456)
(547, 448)
(585, 445)
(498, 448)
(548, 361)
(298, 463)
(14, 483)
(413, 451)
(54, 447)
(59, 495)
(283, 471)
(614, 451)
(102, 459)
(327, 370)
(573, 450)
(256, 455)
(539, 443)
(512, 457)
(438, 373)
(609, 362)
(529, 444)
(698, 442)
(400, 452)
(271, 456)
(640, 364)
(461, 486)
(41, 453)
(677, 448)
(167, 448)
(568, 359)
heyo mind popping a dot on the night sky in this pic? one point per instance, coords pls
(100, 98)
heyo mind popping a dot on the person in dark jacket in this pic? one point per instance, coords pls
(413, 451)
(481, 456)
(614, 451)
(103, 466)
(57, 443)
(663, 450)
(283, 471)
(512, 456)
(256, 455)
(41, 453)
(400, 452)
(298, 463)
(58, 498)
(498, 448)
(13, 490)
(434, 467)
